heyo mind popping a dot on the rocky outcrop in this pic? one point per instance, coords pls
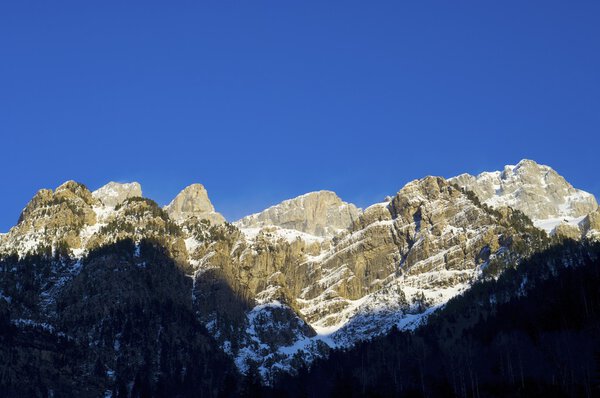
(193, 201)
(590, 225)
(138, 219)
(53, 220)
(114, 193)
(320, 213)
(536, 190)
(569, 231)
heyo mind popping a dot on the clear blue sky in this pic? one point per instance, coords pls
(262, 101)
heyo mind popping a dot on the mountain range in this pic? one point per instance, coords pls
(110, 294)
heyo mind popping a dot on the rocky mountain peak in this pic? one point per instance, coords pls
(418, 192)
(72, 189)
(193, 201)
(320, 213)
(70, 194)
(53, 218)
(424, 189)
(536, 190)
(531, 165)
(114, 193)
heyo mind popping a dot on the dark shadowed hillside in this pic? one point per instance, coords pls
(124, 325)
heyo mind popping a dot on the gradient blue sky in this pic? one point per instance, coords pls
(262, 101)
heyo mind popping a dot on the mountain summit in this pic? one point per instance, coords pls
(320, 213)
(193, 201)
(114, 193)
(536, 190)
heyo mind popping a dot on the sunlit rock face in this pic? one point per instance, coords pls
(320, 213)
(193, 201)
(281, 287)
(536, 190)
(115, 193)
(426, 243)
(53, 219)
(590, 225)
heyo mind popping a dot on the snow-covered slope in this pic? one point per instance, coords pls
(536, 190)
(114, 193)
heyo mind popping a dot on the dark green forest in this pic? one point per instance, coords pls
(123, 326)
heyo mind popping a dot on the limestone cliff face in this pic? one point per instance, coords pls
(193, 201)
(430, 238)
(320, 213)
(114, 193)
(398, 259)
(536, 190)
(259, 270)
